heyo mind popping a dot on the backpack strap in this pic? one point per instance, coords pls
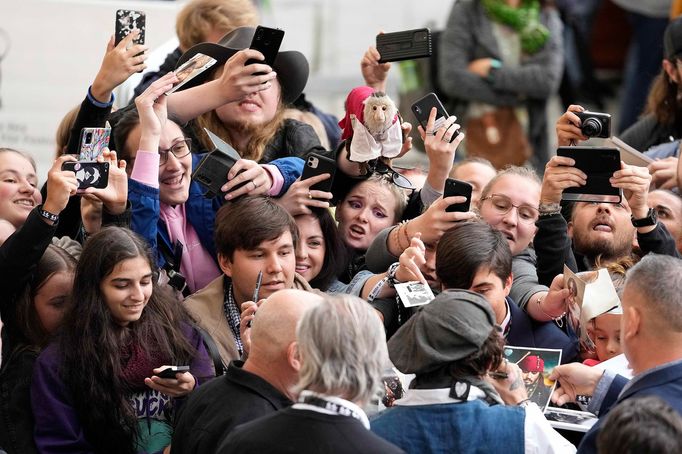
(213, 352)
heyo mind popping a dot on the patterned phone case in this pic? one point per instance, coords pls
(93, 141)
(127, 21)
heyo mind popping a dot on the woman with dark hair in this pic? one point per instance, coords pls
(321, 255)
(39, 311)
(97, 388)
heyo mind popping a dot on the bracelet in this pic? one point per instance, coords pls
(391, 274)
(556, 318)
(376, 289)
(549, 209)
(396, 235)
(54, 218)
(407, 237)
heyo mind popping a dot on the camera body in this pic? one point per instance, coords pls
(595, 124)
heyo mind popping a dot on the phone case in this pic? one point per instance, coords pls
(422, 109)
(461, 188)
(317, 165)
(127, 21)
(171, 371)
(404, 45)
(599, 164)
(89, 174)
(191, 69)
(267, 41)
(93, 141)
(213, 169)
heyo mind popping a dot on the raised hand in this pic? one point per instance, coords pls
(256, 178)
(61, 184)
(152, 109)
(568, 127)
(374, 73)
(115, 195)
(559, 175)
(119, 63)
(299, 198)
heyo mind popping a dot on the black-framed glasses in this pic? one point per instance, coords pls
(503, 204)
(180, 149)
(380, 167)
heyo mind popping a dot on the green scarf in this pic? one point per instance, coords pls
(525, 20)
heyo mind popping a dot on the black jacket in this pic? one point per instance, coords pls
(214, 409)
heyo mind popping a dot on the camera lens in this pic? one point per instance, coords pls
(591, 127)
(417, 109)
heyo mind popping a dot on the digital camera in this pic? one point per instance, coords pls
(595, 124)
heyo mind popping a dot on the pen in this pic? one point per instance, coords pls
(256, 291)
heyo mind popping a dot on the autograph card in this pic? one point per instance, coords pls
(414, 293)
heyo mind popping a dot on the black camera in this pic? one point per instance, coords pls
(595, 124)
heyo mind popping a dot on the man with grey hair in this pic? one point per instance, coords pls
(342, 350)
(651, 334)
(261, 385)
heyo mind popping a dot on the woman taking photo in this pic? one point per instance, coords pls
(95, 389)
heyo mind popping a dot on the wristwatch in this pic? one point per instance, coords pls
(649, 220)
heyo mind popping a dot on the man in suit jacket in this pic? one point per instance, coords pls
(651, 334)
(474, 256)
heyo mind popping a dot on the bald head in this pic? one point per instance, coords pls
(274, 324)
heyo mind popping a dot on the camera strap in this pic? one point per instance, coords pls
(172, 265)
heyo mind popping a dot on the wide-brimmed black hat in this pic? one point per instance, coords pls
(291, 66)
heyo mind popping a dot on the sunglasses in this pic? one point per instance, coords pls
(380, 167)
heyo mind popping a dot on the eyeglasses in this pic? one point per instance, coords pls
(397, 179)
(180, 149)
(503, 204)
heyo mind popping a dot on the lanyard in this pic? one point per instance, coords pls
(330, 405)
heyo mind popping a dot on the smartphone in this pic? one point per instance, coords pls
(213, 169)
(191, 69)
(461, 188)
(89, 174)
(170, 371)
(127, 21)
(404, 45)
(93, 141)
(317, 165)
(422, 109)
(599, 164)
(266, 40)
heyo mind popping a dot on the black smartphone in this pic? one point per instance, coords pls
(599, 164)
(458, 188)
(317, 165)
(170, 371)
(213, 169)
(404, 45)
(89, 174)
(266, 40)
(422, 109)
(93, 141)
(127, 21)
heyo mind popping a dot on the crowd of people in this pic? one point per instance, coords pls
(153, 315)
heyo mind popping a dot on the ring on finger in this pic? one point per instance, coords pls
(310, 196)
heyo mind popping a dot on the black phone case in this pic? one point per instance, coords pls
(404, 45)
(127, 21)
(317, 165)
(461, 188)
(89, 174)
(422, 109)
(170, 372)
(599, 164)
(212, 172)
(266, 40)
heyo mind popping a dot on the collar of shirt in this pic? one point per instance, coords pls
(435, 396)
(343, 403)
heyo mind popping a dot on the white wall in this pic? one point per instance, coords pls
(50, 51)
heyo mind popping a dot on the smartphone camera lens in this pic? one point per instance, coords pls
(418, 109)
(420, 36)
(88, 138)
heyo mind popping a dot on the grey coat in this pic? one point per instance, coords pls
(469, 36)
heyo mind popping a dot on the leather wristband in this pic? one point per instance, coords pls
(648, 221)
